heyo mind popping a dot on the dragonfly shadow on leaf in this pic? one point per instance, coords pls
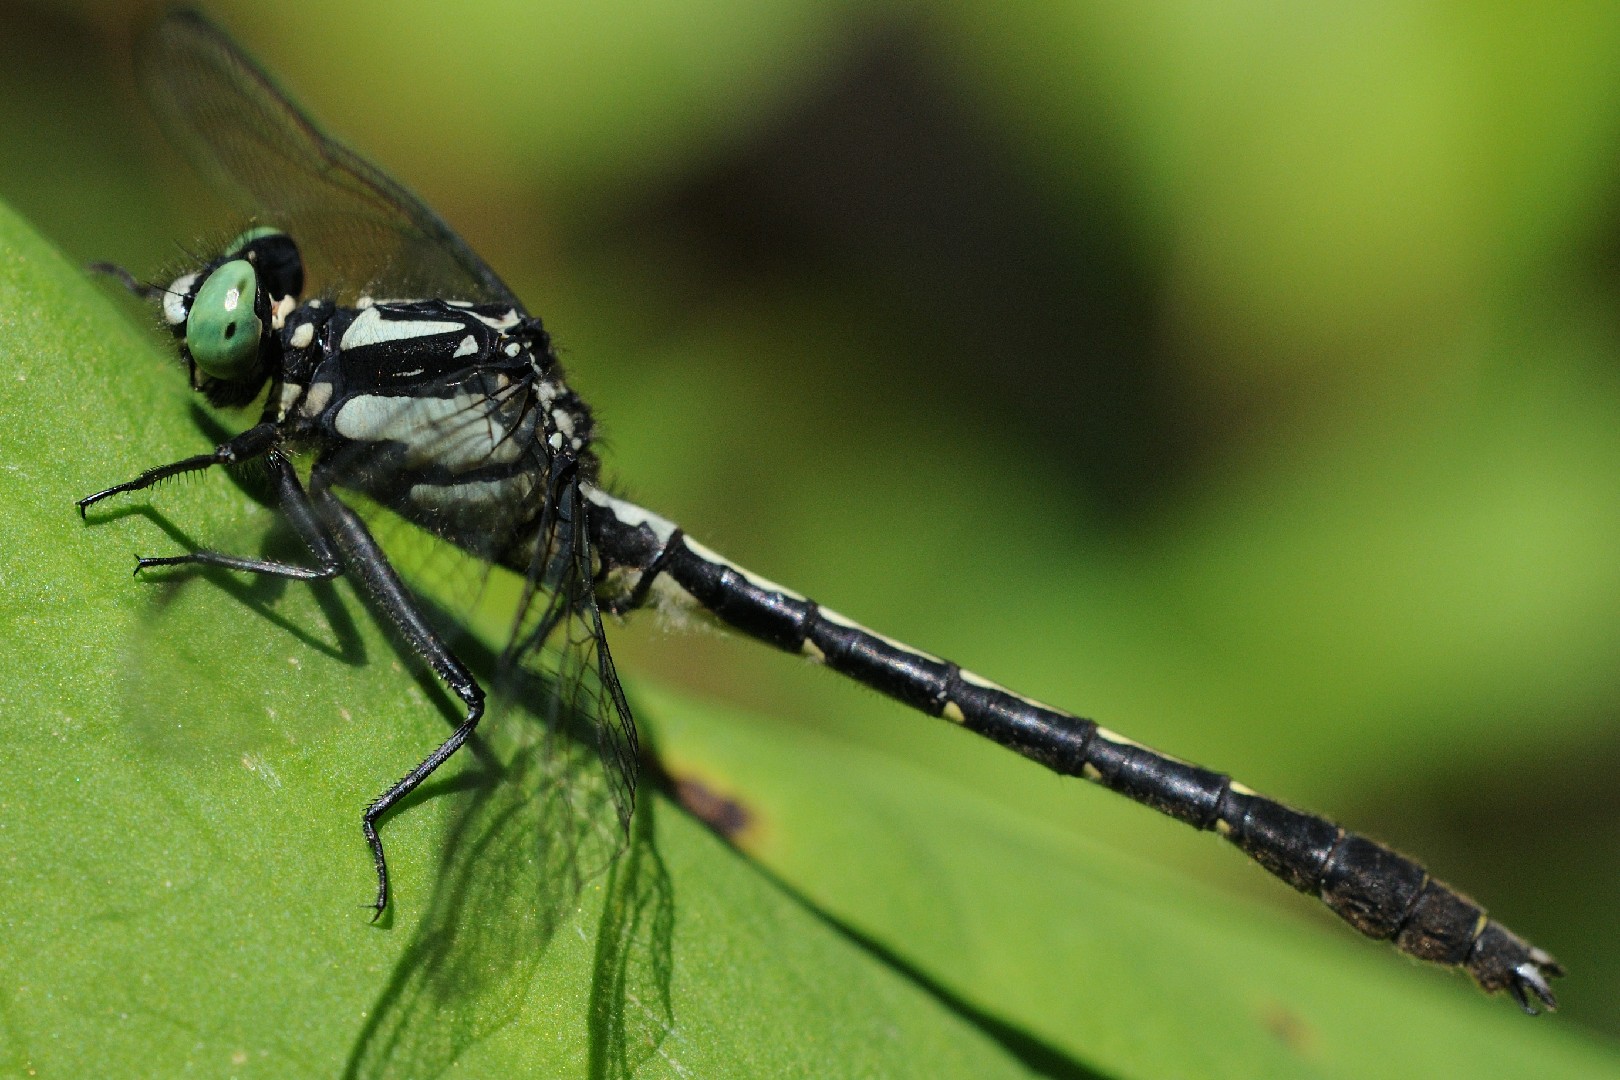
(258, 593)
(518, 854)
(220, 664)
(631, 1009)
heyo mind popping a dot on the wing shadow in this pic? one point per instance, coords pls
(514, 863)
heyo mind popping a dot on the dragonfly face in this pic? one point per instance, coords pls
(223, 314)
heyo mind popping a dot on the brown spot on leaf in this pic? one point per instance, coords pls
(720, 812)
(1291, 1029)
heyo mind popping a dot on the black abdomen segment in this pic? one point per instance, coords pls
(1377, 890)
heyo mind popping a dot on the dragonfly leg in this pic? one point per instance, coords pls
(253, 443)
(367, 564)
(295, 504)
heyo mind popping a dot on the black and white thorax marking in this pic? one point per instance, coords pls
(457, 411)
(453, 412)
(447, 412)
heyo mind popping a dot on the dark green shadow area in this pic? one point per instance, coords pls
(1040, 1057)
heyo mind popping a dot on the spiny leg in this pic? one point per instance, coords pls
(295, 504)
(255, 442)
(340, 541)
(368, 565)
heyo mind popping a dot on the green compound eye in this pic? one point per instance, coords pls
(222, 332)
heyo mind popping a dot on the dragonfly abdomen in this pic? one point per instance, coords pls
(1377, 890)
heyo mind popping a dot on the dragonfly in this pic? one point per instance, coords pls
(416, 380)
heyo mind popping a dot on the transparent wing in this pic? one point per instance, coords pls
(359, 230)
(558, 630)
(478, 474)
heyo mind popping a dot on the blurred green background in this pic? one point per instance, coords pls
(1245, 377)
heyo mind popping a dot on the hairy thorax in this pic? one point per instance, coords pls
(453, 415)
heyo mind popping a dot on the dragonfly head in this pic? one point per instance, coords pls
(226, 313)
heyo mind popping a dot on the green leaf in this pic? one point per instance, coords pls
(179, 802)
(184, 879)
(1092, 956)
